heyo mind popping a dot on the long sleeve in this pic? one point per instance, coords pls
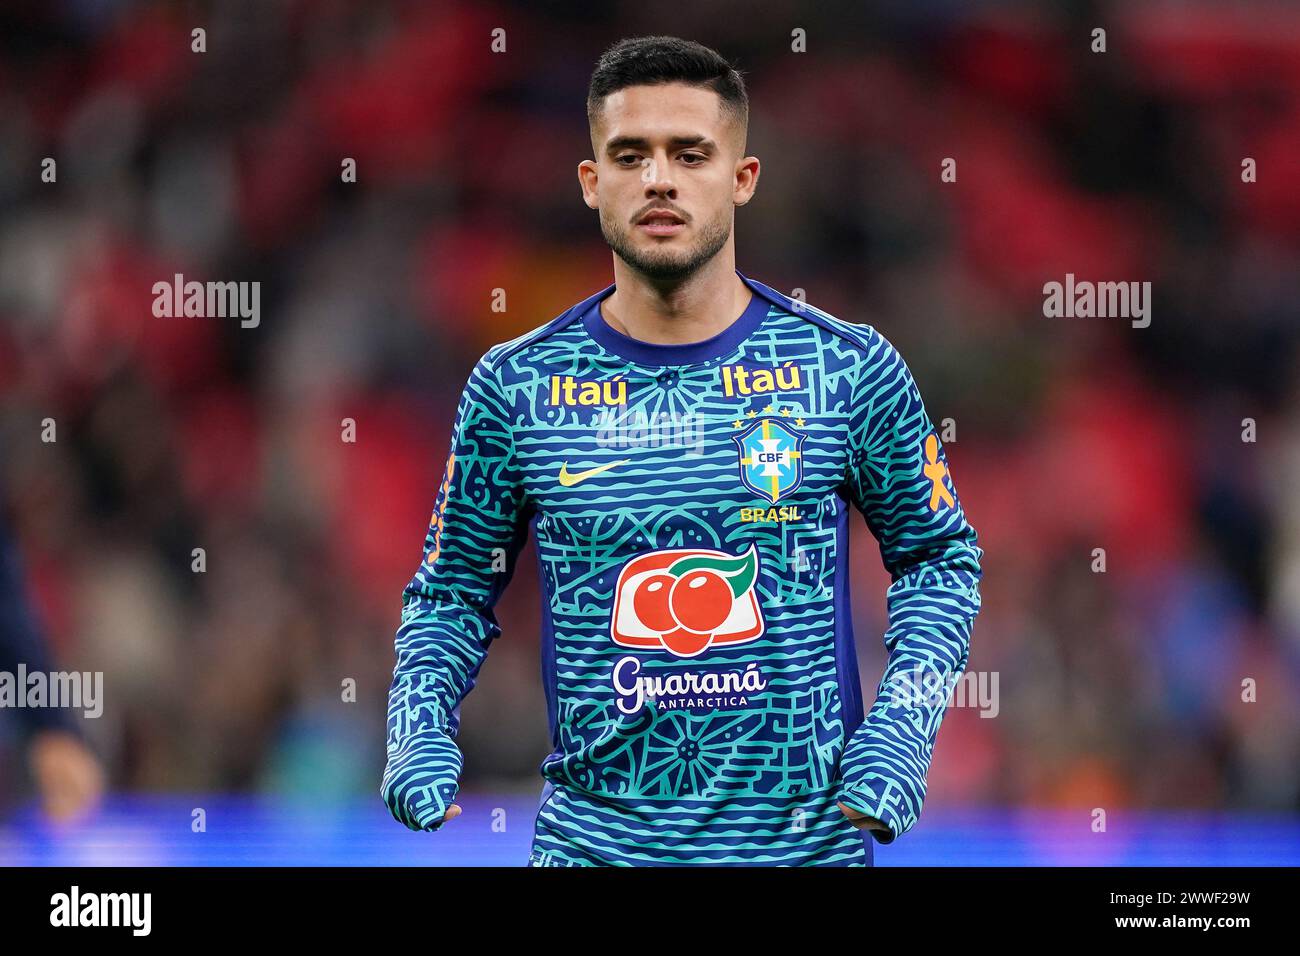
(20, 639)
(478, 526)
(898, 479)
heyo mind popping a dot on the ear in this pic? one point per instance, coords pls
(588, 174)
(747, 170)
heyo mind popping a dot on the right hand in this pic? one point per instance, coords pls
(453, 811)
(422, 780)
(417, 801)
(430, 824)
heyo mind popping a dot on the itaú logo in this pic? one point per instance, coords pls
(686, 600)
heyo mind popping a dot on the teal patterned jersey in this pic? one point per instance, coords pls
(689, 506)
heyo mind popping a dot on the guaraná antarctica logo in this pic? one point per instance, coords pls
(685, 601)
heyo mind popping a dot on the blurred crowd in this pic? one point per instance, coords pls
(1080, 443)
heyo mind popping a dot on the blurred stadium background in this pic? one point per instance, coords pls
(222, 690)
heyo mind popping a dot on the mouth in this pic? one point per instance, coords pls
(661, 222)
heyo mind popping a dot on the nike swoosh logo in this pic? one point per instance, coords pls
(571, 478)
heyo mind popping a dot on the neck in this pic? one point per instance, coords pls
(679, 312)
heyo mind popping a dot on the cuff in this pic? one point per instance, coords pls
(871, 796)
(419, 807)
(430, 806)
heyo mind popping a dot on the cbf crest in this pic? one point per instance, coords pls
(771, 458)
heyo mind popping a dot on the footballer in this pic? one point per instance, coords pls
(702, 687)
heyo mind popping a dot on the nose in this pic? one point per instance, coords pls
(658, 182)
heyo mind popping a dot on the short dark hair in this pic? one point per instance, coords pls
(646, 61)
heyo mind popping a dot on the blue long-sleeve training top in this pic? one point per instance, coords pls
(690, 508)
(21, 642)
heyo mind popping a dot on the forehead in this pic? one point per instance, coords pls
(661, 111)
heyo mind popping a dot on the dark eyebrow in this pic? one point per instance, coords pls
(640, 142)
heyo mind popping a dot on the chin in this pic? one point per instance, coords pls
(675, 263)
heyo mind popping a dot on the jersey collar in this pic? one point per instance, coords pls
(690, 353)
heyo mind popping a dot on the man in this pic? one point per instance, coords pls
(67, 773)
(684, 446)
